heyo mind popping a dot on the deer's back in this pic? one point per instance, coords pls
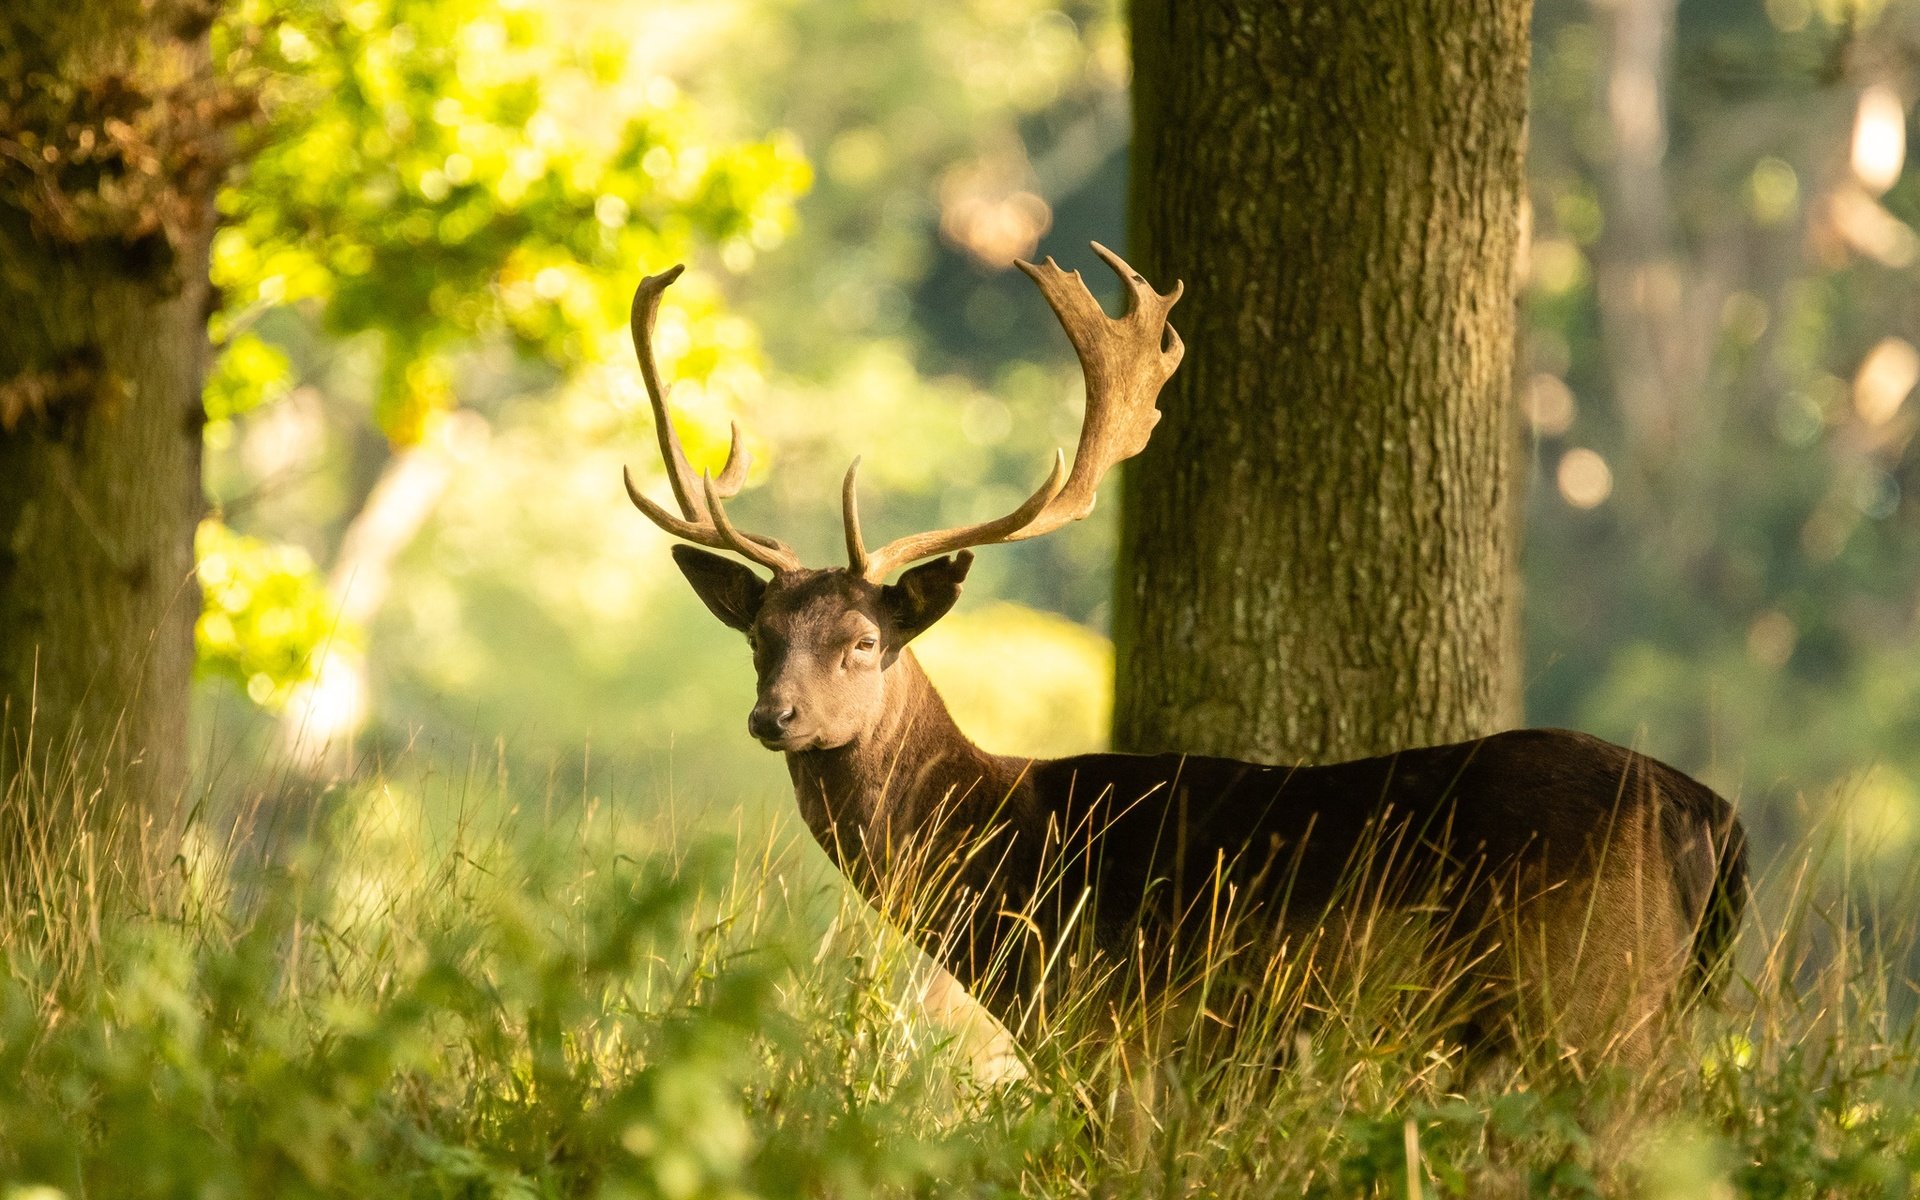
(1153, 834)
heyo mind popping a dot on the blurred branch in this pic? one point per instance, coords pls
(409, 488)
(1660, 309)
(319, 723)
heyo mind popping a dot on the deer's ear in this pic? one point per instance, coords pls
(730, 590)
(924, 594)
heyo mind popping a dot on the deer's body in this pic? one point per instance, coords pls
(1557, 880)
(1510, 832)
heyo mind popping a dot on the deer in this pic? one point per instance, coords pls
(1576, 883)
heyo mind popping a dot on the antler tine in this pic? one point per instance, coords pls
(685, 530)
(1140, 293)
(901, 551)
(734, 474)
(771, 554)
(857, 560)
(646, 307)
(701, 519)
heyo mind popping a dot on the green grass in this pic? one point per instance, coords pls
(415, 1007)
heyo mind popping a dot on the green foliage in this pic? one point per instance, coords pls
(1454, 1141)
(265, 614)
(249, 372)
(440, 171)
(1812, 1133)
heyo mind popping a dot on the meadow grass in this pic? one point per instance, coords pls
(464, 998)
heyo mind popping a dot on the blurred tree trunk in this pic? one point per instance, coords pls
(111, 144)
(1317, 553)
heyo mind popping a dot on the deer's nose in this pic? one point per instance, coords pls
(769, 722)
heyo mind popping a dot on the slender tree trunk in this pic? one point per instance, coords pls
(110, 147)
(1316, 552)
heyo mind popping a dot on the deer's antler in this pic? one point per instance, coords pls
(702, 519)
(1125, 361)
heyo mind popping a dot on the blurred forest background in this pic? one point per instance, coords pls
(420, 555)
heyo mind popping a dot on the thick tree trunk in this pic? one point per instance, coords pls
(1316, 552)
(105, 219)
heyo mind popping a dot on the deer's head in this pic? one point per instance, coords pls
(825, 639)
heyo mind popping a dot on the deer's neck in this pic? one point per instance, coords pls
(883, 794)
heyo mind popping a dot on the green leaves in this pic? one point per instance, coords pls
(265, 613)
(250, 373)
(441, 172)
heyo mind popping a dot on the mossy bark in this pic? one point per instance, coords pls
(105, 221)
(1317, 551)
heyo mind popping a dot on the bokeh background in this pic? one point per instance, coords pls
(421, 566)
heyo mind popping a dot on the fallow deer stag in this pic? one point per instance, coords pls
(1578, 882)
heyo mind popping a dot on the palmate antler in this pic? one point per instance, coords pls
(1125, 360)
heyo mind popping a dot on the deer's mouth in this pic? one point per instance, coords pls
(805, 741)
(791, 743)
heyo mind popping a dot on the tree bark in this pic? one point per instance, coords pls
(1316, 553)
(111, 127)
